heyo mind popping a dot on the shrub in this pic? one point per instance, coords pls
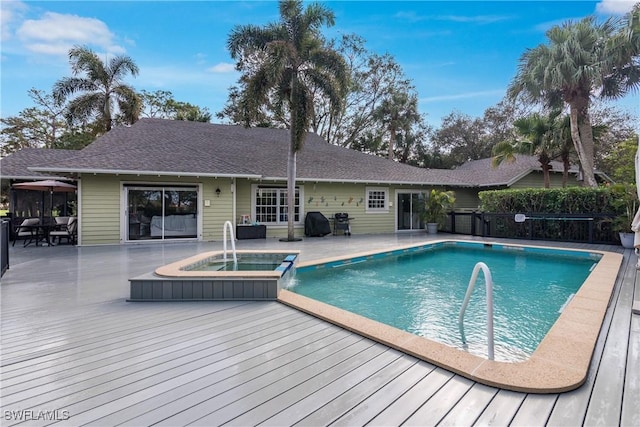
(571, 200)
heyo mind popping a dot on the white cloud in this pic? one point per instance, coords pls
(614, 7)
(411, 16)
(462, 96)
(56, 33)
(10, 13)
(222, 67)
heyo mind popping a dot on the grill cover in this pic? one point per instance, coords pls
(316, 225)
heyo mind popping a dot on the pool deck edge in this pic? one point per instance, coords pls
(560, 363)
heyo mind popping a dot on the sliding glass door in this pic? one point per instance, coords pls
(410, 206)
(159, 212)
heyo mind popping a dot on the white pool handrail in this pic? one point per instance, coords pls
(228, 225)
(489, 289)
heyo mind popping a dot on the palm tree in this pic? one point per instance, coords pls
(397, 111)
(288, 59)
(99, 85)
(537, 139)
(581, 59)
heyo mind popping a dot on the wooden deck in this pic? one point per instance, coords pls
(74, 352)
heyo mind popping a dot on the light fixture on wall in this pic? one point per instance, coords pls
(218, 192)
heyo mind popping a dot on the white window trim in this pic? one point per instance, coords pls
(384, 190)
(254, 189)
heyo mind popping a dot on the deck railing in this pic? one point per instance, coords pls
(5, 231)
(579, 228)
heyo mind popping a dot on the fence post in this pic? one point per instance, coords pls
(473, 223)
(453, 221)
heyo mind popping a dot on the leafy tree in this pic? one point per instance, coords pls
(37, 126)
(616, 125)
(288, 59)
(581, 58)
(161, 105)
(373, 80)
(459, 139)
(620, 163)
(99, 85)
(157, 105)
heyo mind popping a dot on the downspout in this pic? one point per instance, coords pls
(233, 202)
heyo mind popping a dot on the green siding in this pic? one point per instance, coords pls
(100, 215)
(100, 202)
(536, 180)
(100, 210)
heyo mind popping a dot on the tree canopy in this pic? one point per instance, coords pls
(287, 63)
(98, 87)
(582, 60)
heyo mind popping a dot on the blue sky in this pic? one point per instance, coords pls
(460, 55)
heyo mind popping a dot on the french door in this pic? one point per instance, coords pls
(161, 212)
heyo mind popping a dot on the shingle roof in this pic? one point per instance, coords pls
(180, 147)
(16, 165)
(157, 146)
(507, 173)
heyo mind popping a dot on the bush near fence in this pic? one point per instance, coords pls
(572, 200)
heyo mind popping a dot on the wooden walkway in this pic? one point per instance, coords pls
(74, 352)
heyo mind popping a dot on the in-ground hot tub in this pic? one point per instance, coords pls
(208, 276)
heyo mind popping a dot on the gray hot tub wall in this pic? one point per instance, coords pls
(151, 287)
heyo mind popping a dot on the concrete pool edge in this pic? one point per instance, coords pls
(560, 363)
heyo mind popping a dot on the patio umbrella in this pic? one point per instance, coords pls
(50, 185)
(635, 224)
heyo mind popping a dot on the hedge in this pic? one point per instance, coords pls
(570, 200)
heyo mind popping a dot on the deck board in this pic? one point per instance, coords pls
(605, 404)
(631, 396)
(70, 341)
(382, 397)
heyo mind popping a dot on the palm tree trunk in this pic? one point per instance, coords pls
(583, 146)
(392, 140)
(565, 171)
(291, 192)
(545, 174)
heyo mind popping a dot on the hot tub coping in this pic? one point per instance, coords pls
(174, 270)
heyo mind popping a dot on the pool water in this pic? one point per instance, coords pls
(245, 262)
(229, 265)
(421, 292)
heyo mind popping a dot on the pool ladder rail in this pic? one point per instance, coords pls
(228, 225)
(489, 290)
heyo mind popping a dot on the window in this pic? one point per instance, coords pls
(377, 198)
(270, 204)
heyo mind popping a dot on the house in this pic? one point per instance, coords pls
(163, 179)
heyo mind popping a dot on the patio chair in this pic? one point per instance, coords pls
(68, 232)
(28, 231)
(61, 222)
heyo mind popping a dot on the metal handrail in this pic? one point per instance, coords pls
(489, 289)
(228, 225)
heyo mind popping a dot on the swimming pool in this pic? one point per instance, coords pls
(559, 363)
(421, 291)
